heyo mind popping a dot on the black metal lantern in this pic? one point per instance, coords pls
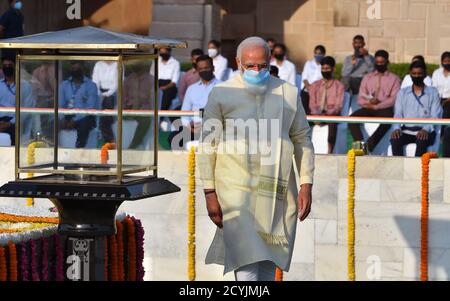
(86, 181)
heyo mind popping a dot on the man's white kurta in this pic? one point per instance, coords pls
(236, 176)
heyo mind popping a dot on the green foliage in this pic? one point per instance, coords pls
(400, 69)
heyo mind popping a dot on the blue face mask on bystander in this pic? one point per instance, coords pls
(18, 5)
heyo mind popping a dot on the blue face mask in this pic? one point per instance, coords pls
(18, 5)
(256, 78)
(318, 57)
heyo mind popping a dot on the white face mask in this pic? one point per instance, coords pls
(212, 52)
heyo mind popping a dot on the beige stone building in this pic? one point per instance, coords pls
(403, 27)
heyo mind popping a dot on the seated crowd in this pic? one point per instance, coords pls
(375, 91)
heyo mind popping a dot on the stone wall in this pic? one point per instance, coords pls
(387, 221)
(194, 21)
(405, 27)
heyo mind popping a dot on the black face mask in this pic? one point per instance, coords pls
(206, 75)
(77, 74)
(357, 53)
(446, 67)
(8, 71)
(381, 68)
(279, 57)
(165, 56)
(327, 74)
(418, 80)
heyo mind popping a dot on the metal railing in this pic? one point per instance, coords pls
(172, 113)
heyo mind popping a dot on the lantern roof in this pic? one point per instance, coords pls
(89, 38)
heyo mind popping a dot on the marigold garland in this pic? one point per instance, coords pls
(31, 159)
(27, 219)
(351, 211)
(59, 267)
(131, 249)
(139, 249)
(106, 270)
(34, 271)
(114, 260)
(24, 262)
(426, 158)
(120, 249)
(12, 261)
(44, 268)
(31, 227)
(191, 215)
(104, 153)
(279, 275)
(3, 266)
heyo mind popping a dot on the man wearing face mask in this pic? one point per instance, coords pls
(169, 74)
(311, 73)
(377, 98)
(252, 199)
(418, 101)
(441, 80)
(78, 92)
(191, 76)
(11, 24)
(197, 97)
(327, 97)
(287, 71)
(220, 62)
(8, 98)
(357, 65)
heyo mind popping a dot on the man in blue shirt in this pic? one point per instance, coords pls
(8, 98)
(11, 24)
(78, 92)
(418, 101)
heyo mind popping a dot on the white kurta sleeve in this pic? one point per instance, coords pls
(300, 134)
(211, 133)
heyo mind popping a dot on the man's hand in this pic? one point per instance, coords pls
(213, 207)
(368, 106)
(422, 135)
(396, 134)
(374, 101)
(304, 201)
(354, 60)
(363, 51)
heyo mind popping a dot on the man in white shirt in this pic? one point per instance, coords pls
(220, 63)
(105, 75)
(286, 69)
(168, 76)
(312, 72)
(407, 80)
(195, 99)
(441, 80)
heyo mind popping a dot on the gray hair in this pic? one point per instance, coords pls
(253, 42)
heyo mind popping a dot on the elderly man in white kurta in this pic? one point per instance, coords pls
(248, 176)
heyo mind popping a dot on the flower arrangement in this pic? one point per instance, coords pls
(426, 158)
(351, 211)
(104, 153)
(13, 276)
(131, 249)
(279, 274)
(30, 235)
(3, 266)
(120, 251)
(31, 159)
(140, 271)
(191, 215)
